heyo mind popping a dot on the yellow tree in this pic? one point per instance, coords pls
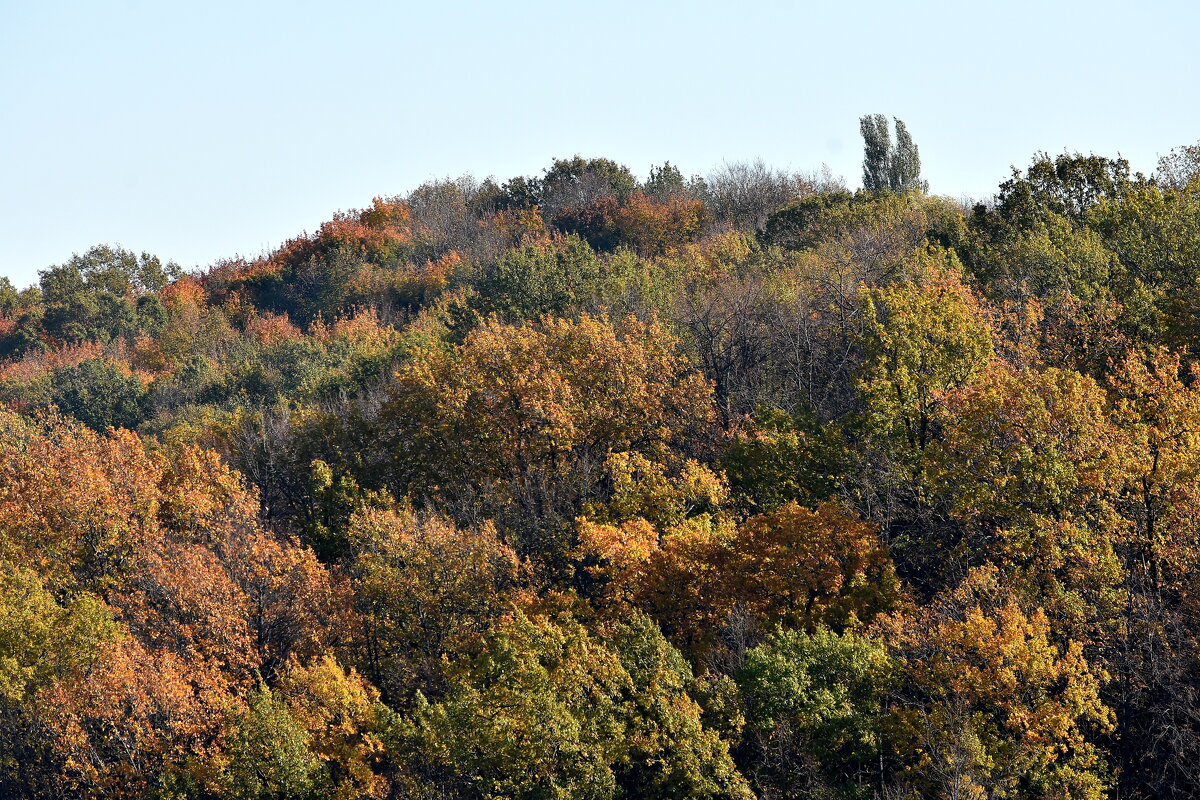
(923, 337)
(424, 589)
(517, 421)
(1156, 406)
(990, 705)
(1028, 466)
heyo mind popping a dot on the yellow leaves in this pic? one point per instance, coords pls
(532, 411)
(74, 503)
(644, 488)
(925, 336)
(993, 699)
(623, 546)
(340, 713)
(202, 497)
(1160, 415)
(1021, 442)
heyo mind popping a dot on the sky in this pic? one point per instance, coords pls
(203, 131)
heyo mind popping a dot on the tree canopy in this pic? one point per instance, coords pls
(583, 485)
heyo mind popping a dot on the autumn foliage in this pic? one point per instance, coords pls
(585, 486)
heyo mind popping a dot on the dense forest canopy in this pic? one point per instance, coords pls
(581, 485)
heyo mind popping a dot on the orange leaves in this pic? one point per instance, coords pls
(437, 273)
(363, 328)
(622, 546)
(73, 503)
(796, 566)
(206, 602)
(656, 228)
(295, 607)
(37, 364)
(271, 328)
(531, 411)
(182, 599)
(810, 559)
(202, 498)
(138, 713)
(990, 700)
(1026, 442)
(186, 291)
(377, 233)
(425, 588)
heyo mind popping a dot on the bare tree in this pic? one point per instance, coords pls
(1179, 167)
(743, 194)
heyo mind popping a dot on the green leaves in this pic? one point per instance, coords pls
(815, 709)
(922, 337)
(43, 640)
(886, 166)
(551, 711)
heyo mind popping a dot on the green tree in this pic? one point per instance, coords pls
(778, 457)
(1180, 167)
(549, 711)
(923, 337)
(94, 295)
(877, 152)
(268, 754)
(425, 589)
(887, 166)
(814, 712)
(98, 393)
(556, 278)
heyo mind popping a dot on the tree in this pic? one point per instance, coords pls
(93, 296)
(557, 277)
(794, 566)
(905, 167)
(515, 422)
(886, 166)
(990, 705)
(43, 643)
(1156, 405)
(777, 457)
(1180, 167)
(548, 710)
(742, 195)
(1029, 465)
(98, 393)
(877, 152)
(1068, 185)
(814, 712)
(137, 718)
(269, 754)
(923, 337)
(344, 720)
(424, 590)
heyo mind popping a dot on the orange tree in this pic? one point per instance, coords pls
(516, 422)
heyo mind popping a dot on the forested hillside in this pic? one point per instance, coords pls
(586, 486)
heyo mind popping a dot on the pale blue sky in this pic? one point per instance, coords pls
(205, 130)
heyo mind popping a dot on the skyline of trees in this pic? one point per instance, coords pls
(586, 486)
